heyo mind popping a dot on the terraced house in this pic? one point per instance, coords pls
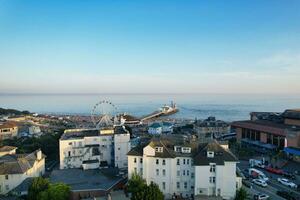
(186, 168)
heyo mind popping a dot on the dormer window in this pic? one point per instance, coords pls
(210, 154)
(177, 149)
(159, 149)
(186, 150)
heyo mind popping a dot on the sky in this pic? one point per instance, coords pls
(157, 46)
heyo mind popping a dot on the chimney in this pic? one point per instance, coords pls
(39, 154)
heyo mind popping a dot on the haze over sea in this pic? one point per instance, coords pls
(226, 107)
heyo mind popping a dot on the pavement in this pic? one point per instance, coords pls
(273, 184)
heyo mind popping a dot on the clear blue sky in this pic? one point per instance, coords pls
(90, 46)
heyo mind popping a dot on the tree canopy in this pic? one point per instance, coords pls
(139, 189)
(241, 194)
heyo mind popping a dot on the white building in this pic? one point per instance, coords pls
(185, 168)
(158, 128)
(4, 150)
(15, 168)
(94, 148)
(8, 130)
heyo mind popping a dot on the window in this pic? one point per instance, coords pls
(80, 144)
(164, 185)
(184, 161)
(141, 171)
(7, 187)
(185, 185)
(164, 162)
(141, 160)
(159, 149)
(178, 185)
(178, 161)
(135, 170)
(157, 161)
(212, 179)
(192, 175)
(177, 149)
(118, 148)
(212, 168)
(183, 173)
(187, 172)
(157, 172)
(69, 153)
(186, 150)
(178, 172)
(188, 161)
(134, 160)
(6, 177)
(164, 172)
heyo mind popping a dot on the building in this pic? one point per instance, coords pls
(7, 150)
(184, 167)
(157, 128)
(8, 130)
(15, 168)
(210, 128)
(94, 148)
(270, 131)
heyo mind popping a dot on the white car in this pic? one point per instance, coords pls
(260, 182)
(286, 182)
(261, 197)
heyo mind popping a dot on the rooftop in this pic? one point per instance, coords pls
(266, 126)
(7, 148)
(17, 163)
(81, 133)
(8, 124)
(198, 151)
(80, 180)
(291, 114)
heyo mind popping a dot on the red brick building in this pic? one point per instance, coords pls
(269, 131)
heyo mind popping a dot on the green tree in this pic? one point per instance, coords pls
(241, 194)
(57, 191)
(37, 186)
(140, 190)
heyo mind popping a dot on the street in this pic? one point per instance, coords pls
(273, 184)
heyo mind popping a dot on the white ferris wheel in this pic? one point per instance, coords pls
(103, 114)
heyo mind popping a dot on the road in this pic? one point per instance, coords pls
(273, 184)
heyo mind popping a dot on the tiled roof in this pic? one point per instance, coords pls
(17, 163)
(7, 148)
(8, 125)
(221, 155)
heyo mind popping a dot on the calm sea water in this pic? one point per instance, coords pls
(225, 107)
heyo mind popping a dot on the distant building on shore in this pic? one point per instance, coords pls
(15, 168)
(185, 168)
(210, 128)
(157, 128)
(94, 148)
(8, 130)
(270, 131)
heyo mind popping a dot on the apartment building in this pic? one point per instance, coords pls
(15, 168)
(210, 128)
(8, 130)
(185, 168)
(94, 148)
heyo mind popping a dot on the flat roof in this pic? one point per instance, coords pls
(81, 180)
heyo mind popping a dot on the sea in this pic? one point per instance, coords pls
(227, 107)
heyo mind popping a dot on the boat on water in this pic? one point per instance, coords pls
(169, 109)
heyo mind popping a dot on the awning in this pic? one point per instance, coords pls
(292, 150)
(259, 144)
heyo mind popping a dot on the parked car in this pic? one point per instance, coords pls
(286, 182)
(260, 182)
(257, 174)
(287, 195)
(274, 170)
(289, 175)
(260, 197)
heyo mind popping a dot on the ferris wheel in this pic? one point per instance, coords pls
(103, 113)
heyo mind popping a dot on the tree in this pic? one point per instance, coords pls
(140, 190)
(37, 186)
(42, 189)
(57, 191)
(241, 194)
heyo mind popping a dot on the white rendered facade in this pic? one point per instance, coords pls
(180, 176)
(11, 178)
(90, 151)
